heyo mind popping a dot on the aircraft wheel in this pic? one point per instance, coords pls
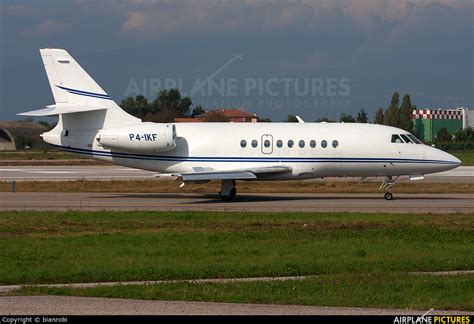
(388, 196)
(230, 196)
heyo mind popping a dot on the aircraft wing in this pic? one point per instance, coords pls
(242, 174)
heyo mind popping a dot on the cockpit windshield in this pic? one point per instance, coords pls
(406, 138)
(396, 139)
(414, 139)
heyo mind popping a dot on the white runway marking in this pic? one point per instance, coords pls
(49, 172)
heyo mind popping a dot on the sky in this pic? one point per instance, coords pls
(309, 58)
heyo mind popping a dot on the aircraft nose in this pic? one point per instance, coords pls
(448, 159)
(454, 160)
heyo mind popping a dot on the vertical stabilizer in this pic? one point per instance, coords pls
(68, 81)
(72, 86)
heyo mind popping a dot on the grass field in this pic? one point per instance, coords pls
(467, 158)
(37, 155)
(163, 186)
(378, 290)
(363, 259)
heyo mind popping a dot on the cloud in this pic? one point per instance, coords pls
(44, 28)
(158, 19)
(155, 18)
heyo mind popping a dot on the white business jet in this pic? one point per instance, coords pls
(92, 124)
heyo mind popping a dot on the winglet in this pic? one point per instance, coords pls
(300, 120)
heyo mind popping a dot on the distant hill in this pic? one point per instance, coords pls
(24, 132)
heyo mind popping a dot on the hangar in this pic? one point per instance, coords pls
(427, 122)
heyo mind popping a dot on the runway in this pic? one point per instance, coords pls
(62, 305)
(463, 174)
(403, 203)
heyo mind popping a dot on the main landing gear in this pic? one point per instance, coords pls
(387, 184)
(228, 191)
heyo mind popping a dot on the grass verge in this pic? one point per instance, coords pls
(154, 186)
(380, 290)
(62, 247)
(467, 158)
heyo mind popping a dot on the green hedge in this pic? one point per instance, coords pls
(450, 146)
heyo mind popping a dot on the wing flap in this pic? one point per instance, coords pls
(242, 174)
(271, 169)
(222, 175)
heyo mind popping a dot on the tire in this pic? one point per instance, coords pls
(230, 197)
(388, 196)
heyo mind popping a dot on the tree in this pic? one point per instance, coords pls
(264, 120)
(379, 117)
(216, 116)
(443, 135)
(27, 120)
(138, 106)
(362, 117)
(23, 142)
(168, 105)
(346, 118)
(198, 110)
(391, 116)
(164, 109)
(323, 119)
(464, 135)
(291, 119)
(46, 124)
(405, 114)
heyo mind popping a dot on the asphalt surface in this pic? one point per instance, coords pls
(463, 174)
(403, 203)
(61, 305)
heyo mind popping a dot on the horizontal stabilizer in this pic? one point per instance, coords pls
(54, 110)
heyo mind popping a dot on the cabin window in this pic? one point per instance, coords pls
(406, 139)
(301, 143)
(279, 143)
(312, 143)
(324, 144)
(291, 143)
(396, 139)
(414, 139)
(254, 143)
(335, 143)
(243, 143)
(266, 143)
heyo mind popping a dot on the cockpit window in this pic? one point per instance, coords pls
(406, 139)
(414, 139)
(396, 139)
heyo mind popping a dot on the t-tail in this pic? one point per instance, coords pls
(80, 102)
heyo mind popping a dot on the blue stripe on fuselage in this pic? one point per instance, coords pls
(246, 159)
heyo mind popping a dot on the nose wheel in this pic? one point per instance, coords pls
(387, 185)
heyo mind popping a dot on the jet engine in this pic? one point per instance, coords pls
(143, 137)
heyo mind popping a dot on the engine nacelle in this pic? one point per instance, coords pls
(144, 137)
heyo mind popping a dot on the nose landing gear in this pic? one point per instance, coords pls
(228, 191)
(387, 184)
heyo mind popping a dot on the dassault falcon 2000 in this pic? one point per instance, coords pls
(90, 123)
